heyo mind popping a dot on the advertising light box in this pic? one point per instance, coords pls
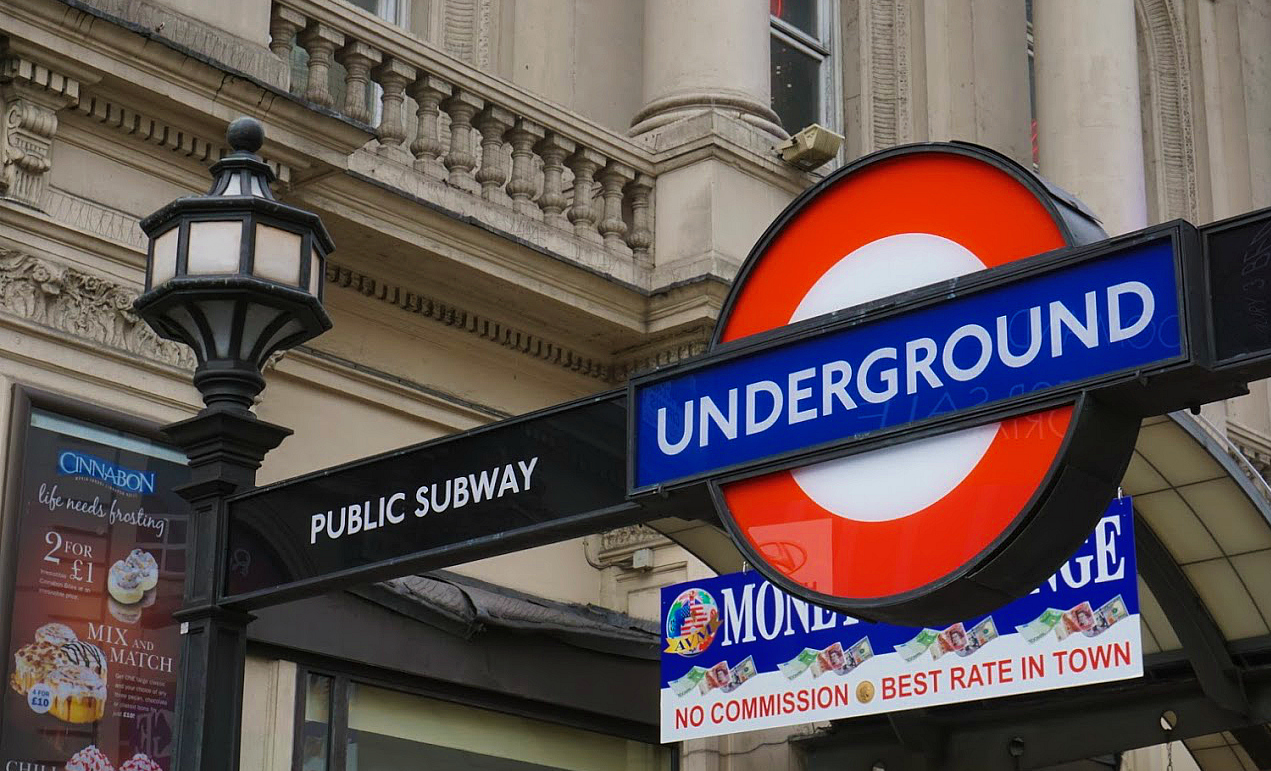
(740, 655)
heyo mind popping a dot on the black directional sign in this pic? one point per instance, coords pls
(545, 476)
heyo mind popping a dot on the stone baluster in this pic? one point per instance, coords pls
(613, 178)
(428, 91)
(523, 136)
(358, 59)
(640, 238)
(393, 76)
(320, 41)
(460, 160)
(584, 163)
(553, 149)
(284, 23)
(493, 122)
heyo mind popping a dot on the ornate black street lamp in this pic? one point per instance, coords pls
(237, 276)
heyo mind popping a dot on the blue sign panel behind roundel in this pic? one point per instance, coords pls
(928, 528)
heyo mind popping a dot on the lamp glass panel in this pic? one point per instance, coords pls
(257, 190)
(255, 320)
(315, 274)
(215, 247)
(277, 255)
(234, 187)
(164, 266)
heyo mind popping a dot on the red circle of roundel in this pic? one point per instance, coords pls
(992, 214)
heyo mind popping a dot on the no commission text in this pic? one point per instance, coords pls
(1117, 313)
(434, 497)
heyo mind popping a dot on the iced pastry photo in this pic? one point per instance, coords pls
(132, 577)
(75, 672)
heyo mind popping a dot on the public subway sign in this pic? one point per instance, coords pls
(928, 379)
(740, 655)
(448, 500)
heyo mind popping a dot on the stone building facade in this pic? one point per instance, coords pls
(534, 199)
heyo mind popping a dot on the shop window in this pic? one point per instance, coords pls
(803, 78)
(315, 730)
(352, 725)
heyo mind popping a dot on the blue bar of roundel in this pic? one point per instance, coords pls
(1152, 264)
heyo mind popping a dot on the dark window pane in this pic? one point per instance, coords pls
(797, 13)
(796, 86)
(316, 735)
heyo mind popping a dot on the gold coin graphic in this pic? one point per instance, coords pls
(865, 692)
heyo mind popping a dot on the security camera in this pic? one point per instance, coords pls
(811, 147)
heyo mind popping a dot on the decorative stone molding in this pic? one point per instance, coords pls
(32, 94)
(1254, 446)
(885, 45)
(618, 544)
(468, 29)
(83, 305)
(156, 131)
(662, 352)
(1168, 78)
(83, 214)
(468, 321)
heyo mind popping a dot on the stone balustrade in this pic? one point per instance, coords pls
(468, 129)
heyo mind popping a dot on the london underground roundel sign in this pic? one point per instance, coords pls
(922, 529)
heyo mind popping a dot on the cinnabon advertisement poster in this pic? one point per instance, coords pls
(90, 674)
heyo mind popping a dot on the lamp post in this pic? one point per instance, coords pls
(236, 275)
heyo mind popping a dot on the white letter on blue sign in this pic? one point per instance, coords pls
(888, 376)
(710, 413)
(981, 335)
(1115, 331)
(754, 426)
(1034, 339)
(798, 395)
(1061, 317)
(915, 366)
(835, 377)
(675, 449)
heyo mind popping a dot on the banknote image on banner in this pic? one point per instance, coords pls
(93, 656)
(740, 655)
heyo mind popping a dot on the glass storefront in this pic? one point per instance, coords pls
(390, 730)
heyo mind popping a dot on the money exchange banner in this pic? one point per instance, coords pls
(740, 655)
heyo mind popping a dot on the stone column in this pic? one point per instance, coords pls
(1089, 119)
(704, 54)
(977, 74)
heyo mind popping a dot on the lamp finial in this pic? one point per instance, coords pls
(245, 135)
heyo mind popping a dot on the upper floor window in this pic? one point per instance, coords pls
(392, 11)
(802, 70)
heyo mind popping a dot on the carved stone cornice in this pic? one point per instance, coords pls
(618, 544)
(31, 94)
(86, 306)
(662, 351)
(155, 130)
(473, 323)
